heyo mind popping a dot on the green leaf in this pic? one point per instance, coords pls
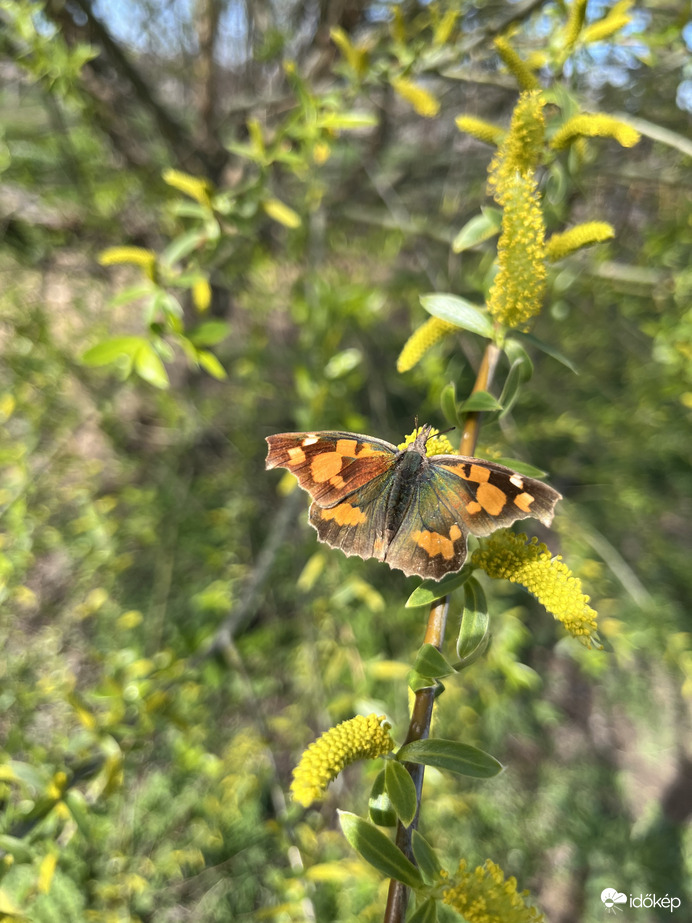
(430, 662)
(209, 333)
(344, 121)
(474, 631)
(430, 590)
(380, 806)
(418, 681)
(426, 913)
(448, 403)
(478, 402)
(548, 350)
(132, 293)
(211, 364)
(458, 311)
(182, 246)
(451, 755)
(401, 791)
(522, 467)
(480, 228)
(111, 350)
(342, 363)
(426, 857)
(149, 367)
(516, 353)
(18, 848)
(377, 849)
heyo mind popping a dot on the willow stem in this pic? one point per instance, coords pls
(421, 716)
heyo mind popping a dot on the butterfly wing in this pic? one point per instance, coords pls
(456, 495)
(330, 466)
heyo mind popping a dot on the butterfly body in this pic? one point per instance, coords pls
(401, 506)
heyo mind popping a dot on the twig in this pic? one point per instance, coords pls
(419, 726)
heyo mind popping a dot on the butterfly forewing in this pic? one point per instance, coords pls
(330, 465)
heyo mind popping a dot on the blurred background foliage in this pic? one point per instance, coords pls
(172, 636)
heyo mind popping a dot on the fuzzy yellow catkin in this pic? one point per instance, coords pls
(592, 125)
(437, 444)
(517, 292)
(421, 340)
(478, 128)
(525, 77)
(356, 739)
(196, 187)
(522, 149)
(506, 556)
(563, 243)
(483, 896)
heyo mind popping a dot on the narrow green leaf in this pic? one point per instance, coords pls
(149, 367)
(426, 857)
(458, 311)
(417, 681)
(132, 293)
(426, 913)
(182, 246)
(380, 806)
(510, 389)
(480, 228)
(474, 631)
(111, 350)
(209, 333)
(211, 364)
(18, 848)
(451, 755)
(377, 849)
(548, 350)
(480, 401)
(345, 121)
(430, 590)
(522, 467)
(401, 791)
(516, 353)
(430, 662)
(448, 403)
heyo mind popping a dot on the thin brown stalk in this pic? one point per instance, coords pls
(421, 716)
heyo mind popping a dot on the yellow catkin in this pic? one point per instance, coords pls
(592, 126)
(517, 292)
(483, 131)
(483, 896)
(618, 17)
(582, 235)
(525, 77)
(356, 739)
(437, 444)
(421, 340)
(522, 149)
(506, 556)
(575, 22)
(196, 187)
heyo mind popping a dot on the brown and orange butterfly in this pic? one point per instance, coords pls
(401, 506)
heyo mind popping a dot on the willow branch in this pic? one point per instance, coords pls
(421, 716)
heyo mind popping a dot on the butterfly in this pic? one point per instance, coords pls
(401, 506)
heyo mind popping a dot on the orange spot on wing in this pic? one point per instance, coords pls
(473, 507)
(296, 456)
(344, 514)
(348, 447)
(524, 501)
(491, 498)
(337, 481)
(434, 543)
(325, 466)
(478, 474)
